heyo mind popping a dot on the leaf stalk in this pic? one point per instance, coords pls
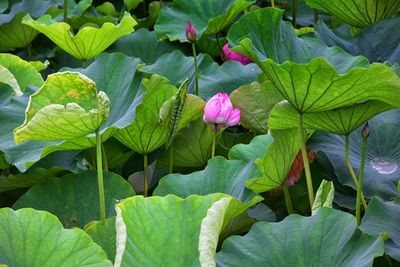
(100, 180)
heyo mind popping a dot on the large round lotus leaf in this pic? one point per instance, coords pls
(207, 16)
(279, 42)
(376, 41)
(78, 195)
(182, 232)
(88, 42)
(213, 78)
(382, 159)
(329, 238)
(220, 175)
(384, 217)
(358, 13)
(67, 106)
(339, 121)
(113, 73)
(36, 238)
(143, 44)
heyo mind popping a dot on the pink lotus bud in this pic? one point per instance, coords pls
(219, 112)
(190, 32)
(231, 55)
(365, 131)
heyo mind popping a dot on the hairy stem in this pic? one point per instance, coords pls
(288, 201)
(196, 69)
(305, 160)
(360, 179)
(350, 168)
(100, 177)
(146, 176)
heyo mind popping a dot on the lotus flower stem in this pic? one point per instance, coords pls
(196, 69)
(305, 160)
(288, 201)
(273, 3)
(100, 177)
(171, 158)
(105, 163)
(294, 13)
(145, 176)
(348, 164)
(214, 141)
(65, 10)
(360, 179)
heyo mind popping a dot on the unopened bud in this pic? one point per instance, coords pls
(365, 131)
(190, 32)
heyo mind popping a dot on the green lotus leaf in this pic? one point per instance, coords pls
(220, 175)
(192, 146)
(376, 41)
(329, 238)
(36, 238)
(143, 44)
(88, 42)
(278, 42)
(255, 101)
(188, 227)
(252, 151)
(148, 131)
(132, 4)
(340, 121)
(358, 13)
(376, 220)
(24, 73)
(67, 106)
(324, 196)
(8, 78)
(213, 78)
(277, 161)
(3, 5)
(78, 194)
(381, 172)
(208, 17)
(317, 86)
(104, 235)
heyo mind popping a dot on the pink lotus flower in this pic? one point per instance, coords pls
(231, 55)
(191, 32)
(219, 112)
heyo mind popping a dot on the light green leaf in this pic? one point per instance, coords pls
(24, 73)
(256, 149)
(104, 235)
(329, 238)
(132, 4)
(324, 196)
(279, 42)
(67, 106)
(220, 176)
(148, 131)
(88, 42)
(176, 225)
(8, 78)
(36, 238)
(276, 163)
(255, 101)
(317, 86)
(358, 13)
(208, 17)
(342, 121)
(78, 195)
